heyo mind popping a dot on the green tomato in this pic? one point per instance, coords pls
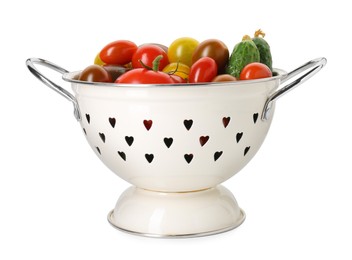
(181, 50)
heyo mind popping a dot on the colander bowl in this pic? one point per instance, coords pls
(176, 144)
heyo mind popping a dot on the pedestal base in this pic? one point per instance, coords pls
(169, 215)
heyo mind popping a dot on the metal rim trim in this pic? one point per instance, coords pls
(192, 235)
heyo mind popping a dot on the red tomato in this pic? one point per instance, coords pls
(144, 76)
(178, 79)
(255, 70)
(118, 52)
(147, 54)
(203, 70)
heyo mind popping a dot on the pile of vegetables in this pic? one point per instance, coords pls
(184, 61)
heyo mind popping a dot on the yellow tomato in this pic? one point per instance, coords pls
(181, 50)
(177, 68)
(98, 61)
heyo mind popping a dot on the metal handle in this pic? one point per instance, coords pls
(30, 64)
(316, 65)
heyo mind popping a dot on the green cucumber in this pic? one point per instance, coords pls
(264, 49)
(243, 53)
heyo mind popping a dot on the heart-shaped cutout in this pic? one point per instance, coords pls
(112, 121)
(226, 121)
(188, 157)
(88, 118)
(168, 141)
(129, 140)
(246, 150)
(98, 149)
(239, 136)
(102, 137)
(148, 124)
(217, 155)
(149, 157)
(203, 140)
(255, 117)
(122, 155)
(188, 123)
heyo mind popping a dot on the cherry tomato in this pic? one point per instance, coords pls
(203, 70)
(177, 68)
(181, 50)
(115, 71)
(147, 54)
(157, 44)
(255, 70)
(118, 52)
(144, 76)
(214, 49)
(224, 77)
(98, 61)
(178, 79)
(95, 73)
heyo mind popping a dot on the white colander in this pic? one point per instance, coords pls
(176, 144)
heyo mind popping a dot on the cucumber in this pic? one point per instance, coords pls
(264, 49)
(243, 53)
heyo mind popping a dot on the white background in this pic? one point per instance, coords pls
(55, 194)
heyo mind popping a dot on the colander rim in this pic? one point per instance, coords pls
(72, 78)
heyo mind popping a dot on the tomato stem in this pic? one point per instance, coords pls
(156, 62)
(145, 65)
(174, 71)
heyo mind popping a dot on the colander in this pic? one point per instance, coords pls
(176, 144)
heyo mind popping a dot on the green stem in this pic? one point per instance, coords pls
(174, 71)
(145, 65)
(156, 62)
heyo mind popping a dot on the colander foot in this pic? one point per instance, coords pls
(176, 215)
